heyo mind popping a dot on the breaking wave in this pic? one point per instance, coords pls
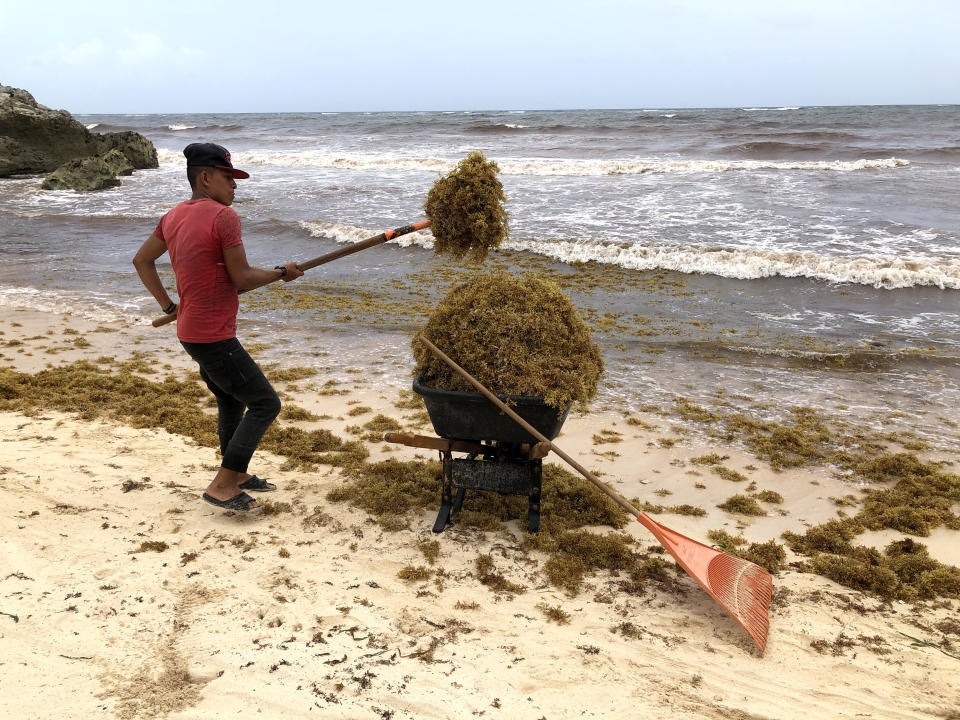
(879, 271)
(353, 234)
(542, 167)
(95, 306)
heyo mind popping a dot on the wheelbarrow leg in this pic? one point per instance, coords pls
(446, 496)
(458, 501)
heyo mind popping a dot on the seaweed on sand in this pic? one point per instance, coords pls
(517, 336)
(555, 613)
(806, 440)
(769, 555)
(170, 404)
(307, 448)
(90, 391)
(575, 553)
(903, 571)
(921, 499)
(465, 209)
(488, 575)
(741, 504)
(392, 491)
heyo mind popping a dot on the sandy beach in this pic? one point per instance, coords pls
(123, 595)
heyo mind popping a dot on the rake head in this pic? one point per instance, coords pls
(742, 588)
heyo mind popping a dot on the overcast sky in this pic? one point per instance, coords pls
(273, 56)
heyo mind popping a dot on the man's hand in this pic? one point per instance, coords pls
(293, 272)
(246, 277)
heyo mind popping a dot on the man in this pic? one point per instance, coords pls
(202, 235)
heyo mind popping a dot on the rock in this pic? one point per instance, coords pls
(118, 162)
(35, 139)
(92, 173)
(139, 151)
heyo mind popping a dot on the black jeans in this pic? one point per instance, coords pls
(239, 385)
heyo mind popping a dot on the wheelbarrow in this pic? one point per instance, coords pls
(502, 456)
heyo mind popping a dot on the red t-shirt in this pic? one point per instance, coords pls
(196, 233)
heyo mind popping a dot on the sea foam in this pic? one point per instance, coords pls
(541, 167)
(96, 306)
(880, 271)
(352, 234)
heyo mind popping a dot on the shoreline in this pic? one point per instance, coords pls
(654, 352)
(303, 611)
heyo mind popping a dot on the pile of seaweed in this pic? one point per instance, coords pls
(921, 499)
(517, 335)
(394, 492)
(465, 209)
(92, 391)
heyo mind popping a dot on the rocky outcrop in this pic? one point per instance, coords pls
(139, 151)
(93, 173)
(35, 139)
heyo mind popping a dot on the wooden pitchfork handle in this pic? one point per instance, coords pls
(335, 255)
(742, 588)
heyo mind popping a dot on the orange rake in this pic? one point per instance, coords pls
(335, 255)
(742, 588)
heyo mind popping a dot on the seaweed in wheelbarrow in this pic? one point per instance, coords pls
(519, 335)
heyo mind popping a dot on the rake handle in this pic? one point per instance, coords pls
(616, 497)
(742, 589)
(330, 256)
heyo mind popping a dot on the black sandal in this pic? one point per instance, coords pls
(257, 485)
(240, 502)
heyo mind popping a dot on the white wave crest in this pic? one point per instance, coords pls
(98, 307)
(616, 167)
(177, 126)
(91, 126)
(353, 234)
(879, 271)
(165, 156)
(538, 166)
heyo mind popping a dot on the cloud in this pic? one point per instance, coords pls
(142, 47)
(148, 47)
(82, 54)
(138, 49)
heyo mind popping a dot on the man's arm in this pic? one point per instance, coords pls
(246, 277)
(145, 261)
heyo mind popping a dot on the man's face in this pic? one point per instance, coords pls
(221, 186)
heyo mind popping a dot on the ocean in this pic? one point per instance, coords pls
(792, 255)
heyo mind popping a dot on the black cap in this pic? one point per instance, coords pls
(211, 155)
